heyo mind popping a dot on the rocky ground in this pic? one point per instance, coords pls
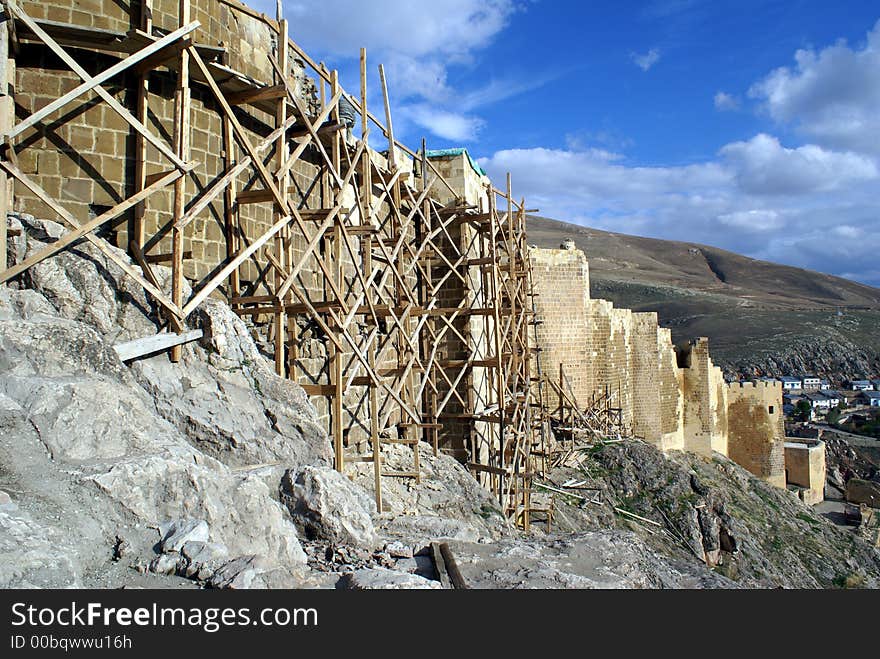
(214, 472)
(713, 510)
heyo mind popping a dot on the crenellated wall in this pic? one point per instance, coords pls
(756, 431)
(673, 397)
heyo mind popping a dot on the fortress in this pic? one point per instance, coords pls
(395, 285)
(671, 396)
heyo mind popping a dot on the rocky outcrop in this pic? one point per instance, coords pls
(384, 579)
(835, 358)
(93, 446)
(713, 510)
(325, 504)
(600, 559)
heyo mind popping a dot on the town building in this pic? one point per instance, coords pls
(811, 382)
(870, 398)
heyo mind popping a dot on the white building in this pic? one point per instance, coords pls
(861, 385)
(823, 401)
(790, 382)
(811, 382)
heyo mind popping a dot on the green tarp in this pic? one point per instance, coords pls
(440, 153)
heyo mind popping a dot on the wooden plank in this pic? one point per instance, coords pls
(156, 343)
(7, 112)
(319, 389)
(140, 148)
(488, 469)
(282, 239)
(455, 576)
(164, 258)
(269, 92)
(389, 133)
(400, 474)
(254, 197)
(440, 566)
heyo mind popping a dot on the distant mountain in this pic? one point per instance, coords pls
(761, 318)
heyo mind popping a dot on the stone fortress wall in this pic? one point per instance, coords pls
(671, 396)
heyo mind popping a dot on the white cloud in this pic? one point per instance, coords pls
(417, 42)
(724, 102)
(646, 61)
(806, 206)
(448, 125)
(753, 220)
(447, 27)
(764, 166)
(832, 96)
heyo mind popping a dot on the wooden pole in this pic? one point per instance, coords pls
(392, 156)
(140, 165)
(283, 237)
(230, 211)
(7, 112)
(181, 148)
(366, 206)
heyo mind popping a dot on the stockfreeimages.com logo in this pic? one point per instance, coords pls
(95, 614)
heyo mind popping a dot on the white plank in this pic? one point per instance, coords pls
(156, 343)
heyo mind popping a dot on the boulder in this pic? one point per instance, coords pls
(384, 579)
(177, 533)
(326, 505)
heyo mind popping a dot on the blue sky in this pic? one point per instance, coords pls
(751, 125)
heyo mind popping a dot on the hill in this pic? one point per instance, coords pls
(762, 318)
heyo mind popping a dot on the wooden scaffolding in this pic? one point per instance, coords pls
(363, 267)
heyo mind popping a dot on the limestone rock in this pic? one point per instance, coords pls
(397, 549)
(326, 505)
(203, 559)
(254, 572)
(177, 533)
(238, 508)
(166, 564)
(34, 555)
(384, 579)
(598, 559)
(111, 446)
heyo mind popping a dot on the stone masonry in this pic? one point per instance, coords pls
(673, 397)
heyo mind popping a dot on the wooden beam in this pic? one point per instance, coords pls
(140, 164)
(389, 133)
(319, 389)
(440, 566)
(87, 228)
(267, 93)
(93, 83)
(455, 576)
(181, 150)
(7, 112)
(156, 343)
